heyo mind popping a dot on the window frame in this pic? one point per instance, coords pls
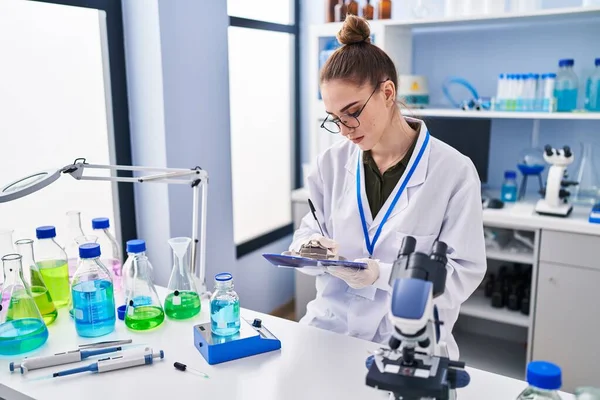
(120, 104)
(267, 238)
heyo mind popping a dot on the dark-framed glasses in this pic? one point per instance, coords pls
(350, 121)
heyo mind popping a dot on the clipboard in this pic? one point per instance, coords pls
(281, 260)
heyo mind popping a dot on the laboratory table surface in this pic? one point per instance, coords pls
(312, 364)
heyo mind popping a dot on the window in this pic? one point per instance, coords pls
(264, 93)
(66, 98)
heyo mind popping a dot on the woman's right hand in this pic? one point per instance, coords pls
(330, 244)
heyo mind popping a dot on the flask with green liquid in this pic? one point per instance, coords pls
(183, 300)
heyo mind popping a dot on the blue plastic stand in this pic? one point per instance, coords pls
(252, 339)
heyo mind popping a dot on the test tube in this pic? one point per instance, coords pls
(549, 81)
(501, 92)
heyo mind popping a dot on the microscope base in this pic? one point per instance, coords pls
(543, 208)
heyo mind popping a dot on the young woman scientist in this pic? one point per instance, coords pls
(390, 164)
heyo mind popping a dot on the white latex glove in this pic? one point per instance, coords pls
(325, 242)
(357, 278)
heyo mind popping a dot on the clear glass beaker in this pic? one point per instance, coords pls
(6, 247)
(22, 328)
(143, 308)
(587, 191)
(72, 247)
(33, 277)
(183, 300)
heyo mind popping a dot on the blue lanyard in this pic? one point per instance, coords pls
(371, 244)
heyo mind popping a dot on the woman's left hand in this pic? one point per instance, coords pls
(357, 278)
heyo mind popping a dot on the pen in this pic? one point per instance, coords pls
(314, 213)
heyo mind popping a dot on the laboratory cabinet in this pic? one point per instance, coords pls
(567, 322)
(567, 316)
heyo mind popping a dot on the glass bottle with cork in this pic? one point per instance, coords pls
(340, 11)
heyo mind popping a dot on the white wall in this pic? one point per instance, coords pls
(177, 71)
(146, 118)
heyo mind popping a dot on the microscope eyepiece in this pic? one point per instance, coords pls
(548, 150)
(567, 151)
(408, 246)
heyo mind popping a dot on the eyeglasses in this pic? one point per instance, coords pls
(348, 120)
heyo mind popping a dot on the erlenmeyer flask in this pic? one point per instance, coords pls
(587, 190)
(143, 310)
(72, 248)
(34, 279)
(182, 301)
(22, 328)
(6, 247)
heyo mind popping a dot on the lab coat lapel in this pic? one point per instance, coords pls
(417, 178)
(351, 167)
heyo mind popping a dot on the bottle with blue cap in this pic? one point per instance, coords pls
(224, 307)
(51, 260)
(111, 251)
(544, 379)
(135, 248)
(93, 295)
(592, 89)
(566, 86)
(509, 187)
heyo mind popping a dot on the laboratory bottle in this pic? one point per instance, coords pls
(22, 328)
(587, 393)
(340, 11)
(143, 308)
(6, 247)
(330, 10)
(183, 300)
(224, 307)
(509, 187)
(548, 85)
(35, 281)
(544, 379)
(368, 10)
(566, 85)
(110, 249)
(352, 7)
(592, 89)
(384, 9)
(93, 295)
(72, 248)
(51, 260)
(135, 248)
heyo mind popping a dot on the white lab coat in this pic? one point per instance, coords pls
(442, 198)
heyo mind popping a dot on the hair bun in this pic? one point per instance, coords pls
(355, 30)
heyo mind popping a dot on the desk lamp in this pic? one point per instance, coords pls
(195, 177)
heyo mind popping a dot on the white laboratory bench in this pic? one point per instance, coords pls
(312, 364)
(565, 293)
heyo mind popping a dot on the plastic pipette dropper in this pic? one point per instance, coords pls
(183, 368)
(115, 363)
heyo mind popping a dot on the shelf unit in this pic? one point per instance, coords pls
(456, 113)
(479, 306)
(499, 255)
(395, 38)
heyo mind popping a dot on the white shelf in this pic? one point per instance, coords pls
(480, 306)
(499, 255)
(554, 14)
(490, 354)
(456, 113)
